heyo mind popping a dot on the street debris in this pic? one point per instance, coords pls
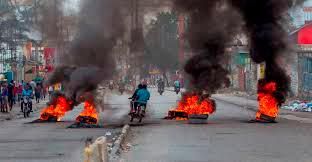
(108, 134)
(301, 106)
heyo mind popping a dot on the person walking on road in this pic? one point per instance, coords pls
(43, 92)
(10, 94)
(38, 92)
(19, 92)
(4, 98)
(15, 93)
(50, 91)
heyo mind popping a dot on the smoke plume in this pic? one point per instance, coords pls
(212, 27)
(88, 60)
(267, 37)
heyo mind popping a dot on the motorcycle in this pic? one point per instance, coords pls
(111, 87)
(161, 90)
(177, 89)
(26, 105)
(137, 111)
(121, 90)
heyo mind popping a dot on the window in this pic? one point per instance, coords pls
(307, 65)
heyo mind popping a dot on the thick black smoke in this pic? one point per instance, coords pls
(267, 37)
(212, 27)
(89, 59)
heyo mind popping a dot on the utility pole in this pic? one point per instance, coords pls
(181, 31)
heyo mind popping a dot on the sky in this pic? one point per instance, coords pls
(71, 6)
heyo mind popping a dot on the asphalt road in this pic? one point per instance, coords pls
(52, 142)
(227, 137)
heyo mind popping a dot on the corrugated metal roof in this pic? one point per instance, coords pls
(297, 30)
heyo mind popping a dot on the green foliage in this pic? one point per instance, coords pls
(12, 24)
(161, 42)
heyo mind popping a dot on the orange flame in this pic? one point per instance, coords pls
(268, 104)
(57, 110)
(89, 111)
(191, 104)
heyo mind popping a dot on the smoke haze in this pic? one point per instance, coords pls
(89, 60)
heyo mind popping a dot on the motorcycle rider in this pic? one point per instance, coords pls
(143, 96)
(177, 85)
(111, 85)
(134, 98)
(161, 85)
(27, 92)
(121, 86)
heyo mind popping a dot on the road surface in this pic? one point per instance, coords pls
(226, 138)
(52, 142)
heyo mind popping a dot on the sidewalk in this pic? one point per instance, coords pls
(252, 104)
(16, 111)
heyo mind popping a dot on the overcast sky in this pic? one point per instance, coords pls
(71, 6)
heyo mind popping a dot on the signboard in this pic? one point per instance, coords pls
(261, 71)
(49, 54)
(307, 9)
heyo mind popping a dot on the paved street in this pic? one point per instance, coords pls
(52, 142)
(226, 138)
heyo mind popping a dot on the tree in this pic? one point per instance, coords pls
(162, 44)
(12, 30)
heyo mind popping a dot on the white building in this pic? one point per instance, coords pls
(302, 14)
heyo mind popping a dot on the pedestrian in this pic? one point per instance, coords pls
(1, 101)
(33, 85)
(4, 98)
(10, 94)
(15, 93)
(38, 92)
(19, 92)
(23, 83)
(44, 92)
(50, 91)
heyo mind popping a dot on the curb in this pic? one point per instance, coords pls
(117, 144)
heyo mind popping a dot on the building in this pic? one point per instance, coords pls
(243, 72)
(302, 14)
(301, 67)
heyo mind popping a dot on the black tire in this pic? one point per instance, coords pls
(131, 117)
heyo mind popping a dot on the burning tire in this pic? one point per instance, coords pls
(198, 119)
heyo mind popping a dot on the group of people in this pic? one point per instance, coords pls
(13, 92)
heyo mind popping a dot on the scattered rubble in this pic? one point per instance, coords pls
(296, 105)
